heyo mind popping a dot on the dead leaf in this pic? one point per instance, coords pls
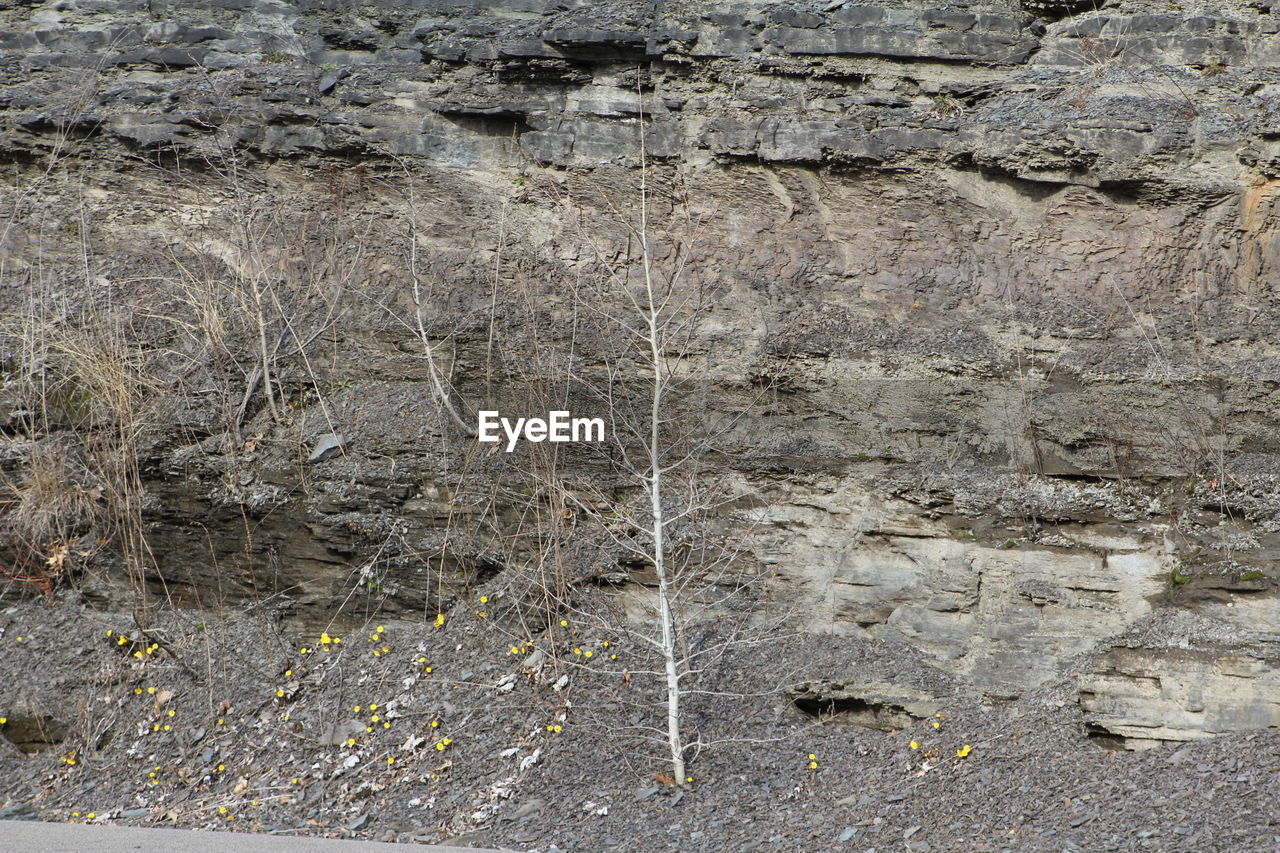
(241, 784)
(164, 696)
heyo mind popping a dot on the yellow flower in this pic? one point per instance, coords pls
(937, 725)
(577, 651)
(296, 780)
(564, 623)
(688, 778)
(219, 721)
(380, 629)
(279, 694)
(515, 650)
(151, 690)
(439, 619)
(351, 741)
(447, 741)
(110, 632)
(222, 809)
(325, 639)
(812, 756)
(813, 765)
(435, 724)
(391, 760)
(288, 672)
(914, 745)
(90, 816)
(172, 712)
(440, 746)
(422, 660)
(964, 751)
(386, 725)
(605, 644)
(374, 718)
(373, 707)
(137, 691)
(587, 654)
(168, 728)
(357, 709)
(484, 599)
(221, 767)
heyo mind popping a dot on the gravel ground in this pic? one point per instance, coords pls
(489, 734)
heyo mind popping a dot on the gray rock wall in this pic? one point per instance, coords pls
(1006, 271)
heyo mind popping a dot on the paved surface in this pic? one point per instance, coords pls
(37, 837)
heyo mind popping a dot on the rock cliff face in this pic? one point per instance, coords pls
(995, 283)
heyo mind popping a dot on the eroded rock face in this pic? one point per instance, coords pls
(1190, 678)
(994, 283)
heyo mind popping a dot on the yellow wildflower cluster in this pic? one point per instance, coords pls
(813, 761)
(933, 752)
(70, 758)
(139, 654)
(327, 643)
(443, 743)
(439, 620)
(555, 728)
(375, 637)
